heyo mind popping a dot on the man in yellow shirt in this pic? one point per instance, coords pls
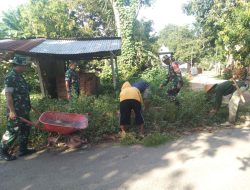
(130, 99)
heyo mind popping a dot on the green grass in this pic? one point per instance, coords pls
(151, 140)
(156, 139)
(129, 139)
(103, 118)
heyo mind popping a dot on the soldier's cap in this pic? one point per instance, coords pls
(209, 87)
(19, 60)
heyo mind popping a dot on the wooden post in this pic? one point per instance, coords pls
(60, 79)
(42, 87)
(113, 70)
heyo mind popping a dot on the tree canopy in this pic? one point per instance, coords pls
(86, 18)
(59, 19)
(225, 24)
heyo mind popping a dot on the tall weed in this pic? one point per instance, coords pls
(193, 107)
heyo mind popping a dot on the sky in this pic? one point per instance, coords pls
(162, 12)
(7, 4)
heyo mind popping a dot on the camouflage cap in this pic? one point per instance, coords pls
(19, 60)
(165, 58)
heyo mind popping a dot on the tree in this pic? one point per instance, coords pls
(125, 13)
(145, 54)
(59, 19)
(11, 25)
(184, 41)
(97, 15)
(88, 18)
(144, 44)
(3, 31)
(235, 33)
(225, 26)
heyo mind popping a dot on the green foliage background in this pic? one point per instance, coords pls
(221, 29)
(225, 25)
(103, 110)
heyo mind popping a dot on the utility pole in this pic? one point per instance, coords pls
(192, 57)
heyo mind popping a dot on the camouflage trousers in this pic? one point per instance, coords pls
(173, 91)
(16, 129)
(174, 87)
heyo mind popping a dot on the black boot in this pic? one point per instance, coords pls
(26, 152)
(4, 155)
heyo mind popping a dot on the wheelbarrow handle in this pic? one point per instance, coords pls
(30, 123)
(27, 121)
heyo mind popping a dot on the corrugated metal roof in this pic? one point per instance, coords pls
(19, 45)
(74, 47)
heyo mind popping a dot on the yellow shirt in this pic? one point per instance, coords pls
(128, 92)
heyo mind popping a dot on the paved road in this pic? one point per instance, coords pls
(206, 161)
(207, 77)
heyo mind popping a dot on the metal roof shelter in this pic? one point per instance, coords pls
(79, 48)
(67, 49)
(19, 45)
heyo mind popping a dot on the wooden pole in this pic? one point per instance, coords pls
(116, 70)
(113, 70)
(42, 87)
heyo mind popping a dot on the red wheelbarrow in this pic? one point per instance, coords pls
(61, 123)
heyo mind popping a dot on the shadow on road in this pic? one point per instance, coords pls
(110, 166)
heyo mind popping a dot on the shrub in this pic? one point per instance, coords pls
(129, 139)
(154, 75)
(193, 107)
(102, 112)
(160, 114)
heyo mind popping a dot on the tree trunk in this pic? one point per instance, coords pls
(117, 17)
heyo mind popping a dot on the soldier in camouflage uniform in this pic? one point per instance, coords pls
(18, 105)
(72, 81)
(174, 76)
(215, 92)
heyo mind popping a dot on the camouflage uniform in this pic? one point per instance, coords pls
(74, 83)
(216, 94)
(174, 76)
(17, 86)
